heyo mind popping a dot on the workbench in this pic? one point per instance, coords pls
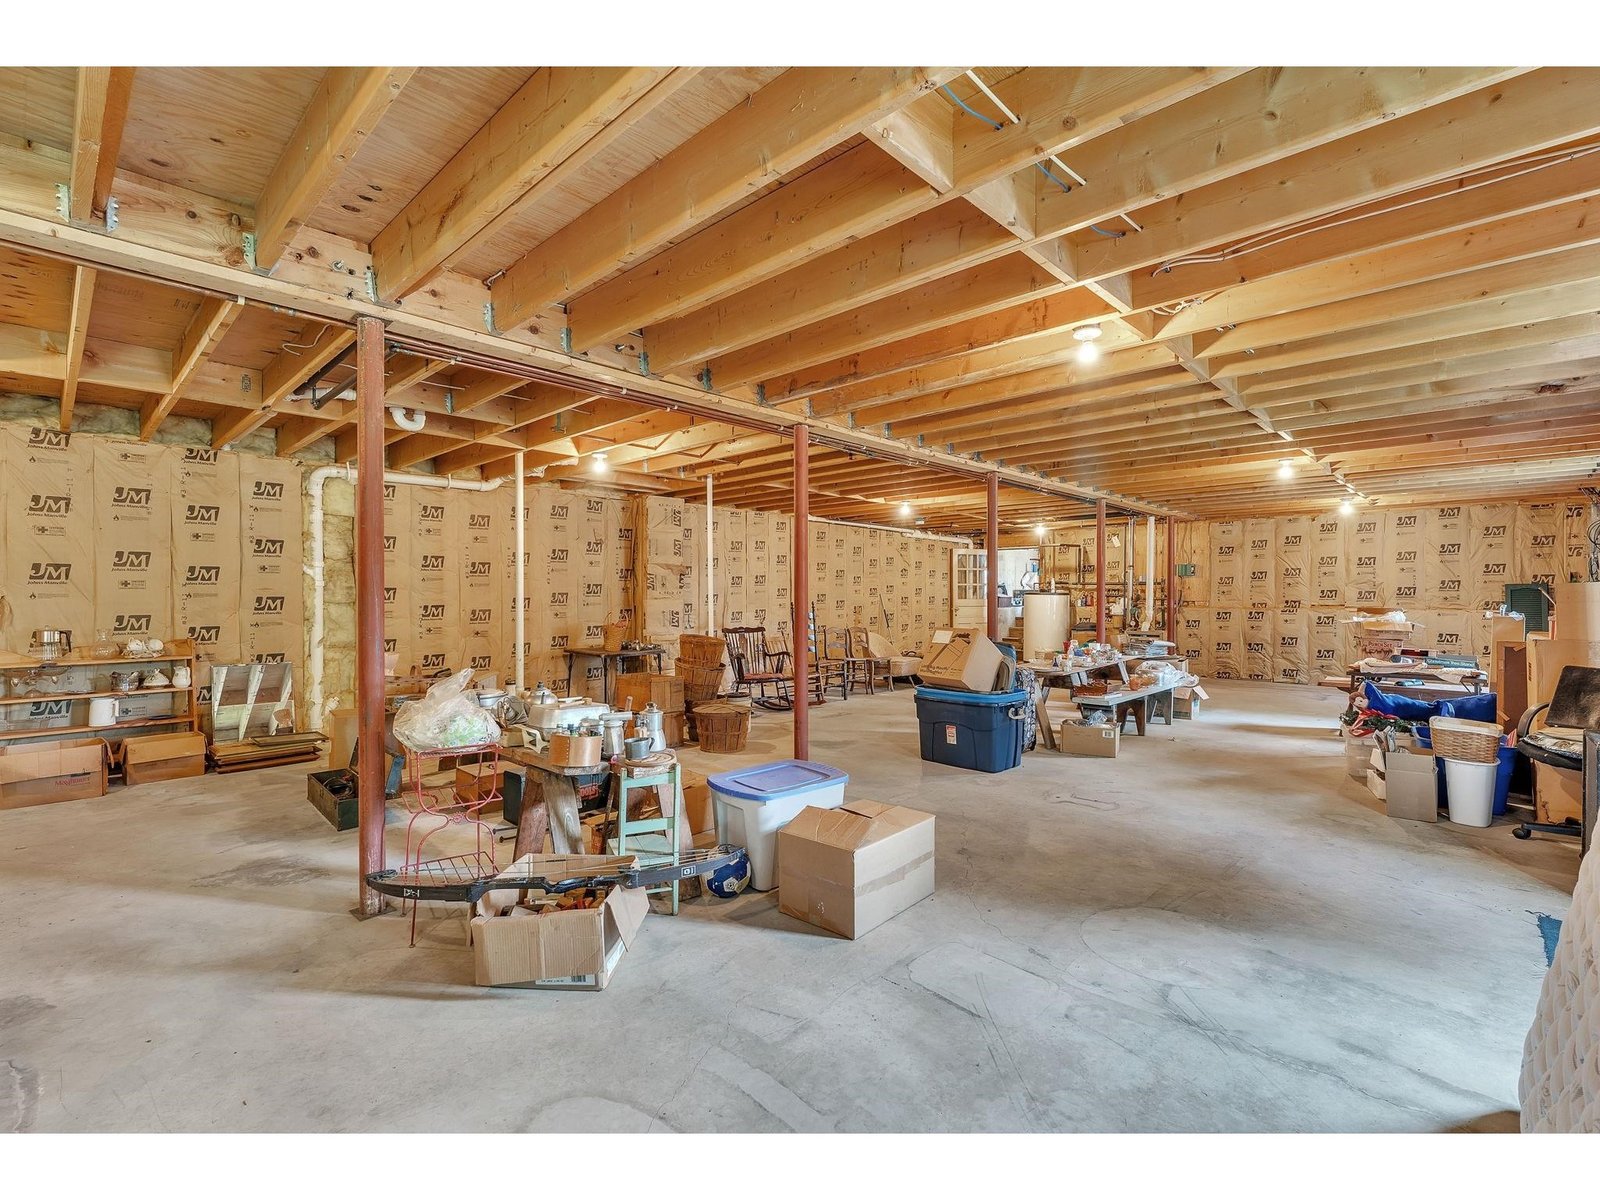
(612, 663)
(1134, 703)
(548, 789)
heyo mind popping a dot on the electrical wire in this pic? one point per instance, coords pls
(294, 348)
(971, 112)
(1266, 241)
(1060, 183)
(1111, 233)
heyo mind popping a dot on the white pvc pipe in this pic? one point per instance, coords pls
(711, 561)
(520, 593)
(1149, 571)
(316, 568)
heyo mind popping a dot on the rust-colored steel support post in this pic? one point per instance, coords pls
(991, 547)
(1172, 580)
(800, 589)
(1099, 570)
(369, 602)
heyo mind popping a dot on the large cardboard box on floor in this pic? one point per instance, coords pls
(156, 758)
(44, 772)
(962, 660)
(849, 869)
(700, 812)
(517, 944)
(1093, 741)
(1410, 786)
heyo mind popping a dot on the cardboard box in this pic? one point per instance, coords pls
(44, 772)
(472, 784)
(342, 730)
(574, 750)
(163, 756)
(1186, 702)
(1557, 794)
(962, 660)
(1376, 784)
(517, 945)
(849, 869)
(698, 809)
(1093, 741)
(633, 692)
(1410, 789)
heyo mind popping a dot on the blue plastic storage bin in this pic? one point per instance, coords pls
(978, 731)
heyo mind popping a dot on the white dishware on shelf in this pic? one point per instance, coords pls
(156, 679)
(136, 647)
(181, 677)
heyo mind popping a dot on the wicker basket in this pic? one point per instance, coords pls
(1465, 741)
(700, 649)
(700, 681)
(613, 634)
(723, 727)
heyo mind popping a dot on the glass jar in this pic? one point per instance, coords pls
(105, 646)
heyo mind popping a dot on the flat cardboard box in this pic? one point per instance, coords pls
(1092, 741)
(961, 660)
(849, 869)
(44, 772)
(633, 692)
(697, 805)
(516, 946)
(162, 756)
(1376, 784)
(1410, 789)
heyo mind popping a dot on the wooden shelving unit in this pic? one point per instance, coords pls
(185, 714)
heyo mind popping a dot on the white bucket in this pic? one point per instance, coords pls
(1469, 792)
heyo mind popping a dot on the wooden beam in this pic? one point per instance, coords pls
(553, 121)
(99, 115)
(1528, 113)
(921, 137)
(953, 298)
(951, 237)
(1063, 106)
(854, 195)
(205, 330)
(758, 141)
(286, 372)
(346, 107)
(1256, 118)
(77, 339)
(1423, 213)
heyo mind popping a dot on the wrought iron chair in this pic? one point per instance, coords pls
(757, 669)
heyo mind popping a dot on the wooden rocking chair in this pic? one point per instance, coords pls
(756, 669)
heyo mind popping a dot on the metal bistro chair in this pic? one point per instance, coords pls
(756, 669)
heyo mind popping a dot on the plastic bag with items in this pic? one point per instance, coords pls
(445, 718)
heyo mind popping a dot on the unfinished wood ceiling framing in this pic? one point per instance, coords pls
(1308, 283)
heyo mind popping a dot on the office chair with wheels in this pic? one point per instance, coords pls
(1572, 711)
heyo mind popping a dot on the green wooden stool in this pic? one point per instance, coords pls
(653, 839)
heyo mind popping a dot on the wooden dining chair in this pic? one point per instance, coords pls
(756, 669)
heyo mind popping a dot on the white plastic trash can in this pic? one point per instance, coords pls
(753, 803)
(1469, 792)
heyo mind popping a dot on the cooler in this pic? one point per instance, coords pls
(753, 803)
(980, 731)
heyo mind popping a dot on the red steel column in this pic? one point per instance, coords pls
(369, 601)
(800, 589)
(991, 544)
(1172, 580)
(1099, 570)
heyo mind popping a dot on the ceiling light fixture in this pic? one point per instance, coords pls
(1346, 508)
(1086, 336)
(598, 464)
(1286, 468)
(905, 508)
(1041, 531)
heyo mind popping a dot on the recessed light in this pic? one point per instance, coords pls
(1040, 530)
(1346, 508)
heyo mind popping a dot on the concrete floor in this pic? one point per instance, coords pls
(1216, 931)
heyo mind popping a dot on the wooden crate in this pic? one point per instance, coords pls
(633, 692)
